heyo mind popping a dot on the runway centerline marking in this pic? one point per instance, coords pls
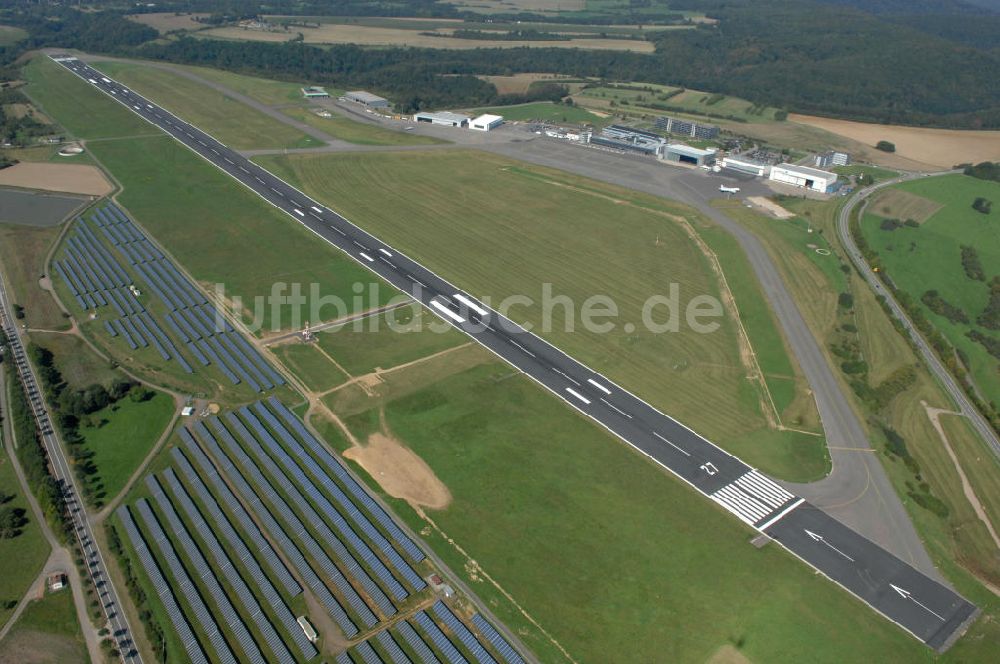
(679, 449)
(615, 408)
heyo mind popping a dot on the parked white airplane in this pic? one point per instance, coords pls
(729, 190)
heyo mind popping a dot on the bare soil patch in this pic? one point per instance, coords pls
(400, 472)
(27, 646)
(938, 147)
(332, 33)
(727, 654)
(903, 205)
(167, 21)
(771, 207)
(67, 178)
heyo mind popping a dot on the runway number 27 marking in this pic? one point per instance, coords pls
(709, 468)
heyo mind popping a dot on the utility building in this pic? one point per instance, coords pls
(805, 177)
(367, 98)
(444, 118)
(486, 122)
(685, 154)
(745, 166)
(314, 91)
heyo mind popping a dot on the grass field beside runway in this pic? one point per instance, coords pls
(23, 250)
(309, 365)
(616, 559)
(498, 228)
(193, 210)
(929, 257)
(23, 556)
(360, 133)
(265, 90)
(230, 121)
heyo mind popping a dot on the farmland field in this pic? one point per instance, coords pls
(10, 35)
(228, 120)
(48, 632)
(674, 100)
(480, 233)
(22, 253)
(331, 33)
(929, 257)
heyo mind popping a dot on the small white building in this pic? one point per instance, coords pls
(805, 177)
(307, 629)
(443, 118)
(486, 122)
(745, 166)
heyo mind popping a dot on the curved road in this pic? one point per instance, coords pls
(945, 377)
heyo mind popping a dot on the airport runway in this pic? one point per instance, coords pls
(928, 610)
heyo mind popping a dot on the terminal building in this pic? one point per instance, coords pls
(486, 122)
(367, 98)
(687, 128)
(629, 139)
(443, 118)
(805, 177)
(685, 154)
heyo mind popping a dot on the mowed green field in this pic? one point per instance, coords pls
(266, 91)
(547, 112)
(122, 436)
(220, 232)
(11, 35)
(616, 559)
(23, 556)
(22, 255)
(232, 122)
(48, 632)
(501, 229)
(929, 257)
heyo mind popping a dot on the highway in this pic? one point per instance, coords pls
(944, 376)
(93, 558)
(928, 610)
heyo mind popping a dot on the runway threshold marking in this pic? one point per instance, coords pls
(366, 257)
(679, 449)
(781, 515)
(299, 212)
(471, 305)
(385, 252)
(317, 209)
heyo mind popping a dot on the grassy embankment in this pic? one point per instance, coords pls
(502, 228)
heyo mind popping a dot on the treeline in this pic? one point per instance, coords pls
(153, 629)
(942, 307)
(34, 459)
(72, 409)
(18, 130)
(986, 170)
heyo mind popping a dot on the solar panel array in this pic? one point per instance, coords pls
(188, 589)
(437, 637)
(194, 652)
(458, 628)
(367, 653)
(239, 549)
(318, 553)
(204, 572)
(343, 502)
(391, 648)
(502, 646)
(227, 570)
(257, 538)
(96, 278)
(416, 643)
(359, 546)
(271, 525)
(353, 487)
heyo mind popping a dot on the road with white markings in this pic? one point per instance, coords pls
(928, 610)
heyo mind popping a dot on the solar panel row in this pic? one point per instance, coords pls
(343, 658)
(352, 485)
(227, 570)
(462, 632)
(416, 643)
(187, 588)
(502, 646)
(391, 648)
(318, 553)
(437, 637)
(191, 646)
(367, 653)
(204, 572)
(257, 537)
(242, 553)
(271, 525)
(359, 546)
(345, 503)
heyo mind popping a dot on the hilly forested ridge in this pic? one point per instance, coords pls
(926, 62)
